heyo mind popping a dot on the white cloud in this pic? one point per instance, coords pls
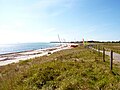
(18, 23)
(50, 30)
(42, 4)
(47, 8)
(90, 29)
(15, 34)
(12, 26)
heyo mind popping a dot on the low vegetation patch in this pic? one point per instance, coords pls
(74, 69)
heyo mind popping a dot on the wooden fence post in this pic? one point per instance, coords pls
(111, 60)
(99, 50)
(95, 48)
(103, 55)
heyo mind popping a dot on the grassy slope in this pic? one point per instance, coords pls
(73, 69)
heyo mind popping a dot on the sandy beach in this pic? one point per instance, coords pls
(16, 57)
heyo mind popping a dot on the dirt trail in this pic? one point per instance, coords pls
(116, 56)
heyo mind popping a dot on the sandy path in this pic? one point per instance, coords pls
(116, 56)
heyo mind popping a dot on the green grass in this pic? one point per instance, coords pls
(74, 69)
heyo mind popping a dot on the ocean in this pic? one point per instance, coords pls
(11, 48)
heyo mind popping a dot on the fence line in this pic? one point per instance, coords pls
(97, 48)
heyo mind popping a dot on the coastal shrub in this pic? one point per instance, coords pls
(67, 75)
(21, 62)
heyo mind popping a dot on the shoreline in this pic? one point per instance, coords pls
(15, 57)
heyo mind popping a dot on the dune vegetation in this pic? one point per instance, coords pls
(74, 69)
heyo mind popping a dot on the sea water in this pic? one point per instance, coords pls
(11, 48)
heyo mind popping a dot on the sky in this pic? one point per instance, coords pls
(23, 21)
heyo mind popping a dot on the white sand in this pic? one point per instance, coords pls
(16, 57)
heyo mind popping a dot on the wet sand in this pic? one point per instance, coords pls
(16, 57)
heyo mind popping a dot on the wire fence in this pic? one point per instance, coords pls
(104, 52)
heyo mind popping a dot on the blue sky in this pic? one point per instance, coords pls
(42, 20)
